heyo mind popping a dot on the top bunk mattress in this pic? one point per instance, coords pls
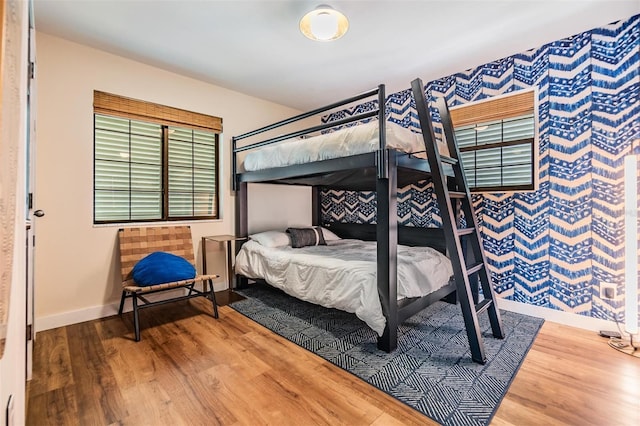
(352, 140)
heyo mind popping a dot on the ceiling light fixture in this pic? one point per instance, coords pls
(324, 23)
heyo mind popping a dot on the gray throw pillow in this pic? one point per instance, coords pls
(303, 237)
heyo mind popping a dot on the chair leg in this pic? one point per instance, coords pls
(136, 320)
(124, 296)
(213, 300)
(190, 287)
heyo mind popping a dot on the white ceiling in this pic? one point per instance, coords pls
(255, 47)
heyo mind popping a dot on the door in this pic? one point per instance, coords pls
(30, 182)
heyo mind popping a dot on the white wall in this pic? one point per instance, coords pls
(76, 269)
(278, 207)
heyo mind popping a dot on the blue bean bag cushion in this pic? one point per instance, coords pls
(160, 267)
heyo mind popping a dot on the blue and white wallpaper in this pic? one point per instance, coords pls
(552, 247)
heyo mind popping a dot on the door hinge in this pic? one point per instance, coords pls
(32, 69)
(30, 200)
(29, 332)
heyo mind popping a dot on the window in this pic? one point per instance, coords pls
(496, 142)
(152, 163)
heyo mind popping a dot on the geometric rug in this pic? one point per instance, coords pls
(430, 371)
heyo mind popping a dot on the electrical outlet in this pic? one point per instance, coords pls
(608, 291)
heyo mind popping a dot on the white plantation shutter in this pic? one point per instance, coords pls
(150, 170)
(498, 154)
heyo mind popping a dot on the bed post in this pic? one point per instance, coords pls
(316, 206)
(241, 210)
(387, 251)
(382, 135)
(242, 229)
(234, 165)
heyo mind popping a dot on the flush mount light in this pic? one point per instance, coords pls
(324, 23)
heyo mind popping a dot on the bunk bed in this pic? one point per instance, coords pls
(382, 165)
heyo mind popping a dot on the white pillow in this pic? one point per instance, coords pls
(272, 238)
(328, 235)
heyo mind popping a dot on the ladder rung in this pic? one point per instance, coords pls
(474, 268)
(483, 306)
(456, 194)
(465, 231)
(448, 160)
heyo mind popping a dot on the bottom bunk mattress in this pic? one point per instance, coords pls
(342, 274)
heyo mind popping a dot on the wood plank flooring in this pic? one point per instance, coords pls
(192, 369)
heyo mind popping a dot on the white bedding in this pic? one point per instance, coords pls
(341, 143)
(342, 274)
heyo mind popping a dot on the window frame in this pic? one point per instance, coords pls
(500, 109)
(185, 121)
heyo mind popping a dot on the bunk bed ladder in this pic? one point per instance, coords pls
(471, 268)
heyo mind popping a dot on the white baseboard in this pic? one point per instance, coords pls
(96, 312)
(561, 317)
(74, 317)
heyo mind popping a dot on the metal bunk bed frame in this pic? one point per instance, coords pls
(377, 170)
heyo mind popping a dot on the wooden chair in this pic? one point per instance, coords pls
(136, 243)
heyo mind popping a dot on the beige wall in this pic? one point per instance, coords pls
(76, 264)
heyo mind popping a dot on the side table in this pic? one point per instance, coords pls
(226, 239)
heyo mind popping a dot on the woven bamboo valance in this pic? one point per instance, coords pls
(109, 104)
(513, 105)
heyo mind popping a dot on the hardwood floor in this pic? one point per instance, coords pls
(192, 369)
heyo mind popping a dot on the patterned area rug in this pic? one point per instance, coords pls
(431, 371)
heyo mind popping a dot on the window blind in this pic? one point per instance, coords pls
(127, 169)
(515, 104)
(147, 170)
(120, 106)
(192, 173)
(496, 142)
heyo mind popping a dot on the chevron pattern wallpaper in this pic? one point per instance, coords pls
(552, 247)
